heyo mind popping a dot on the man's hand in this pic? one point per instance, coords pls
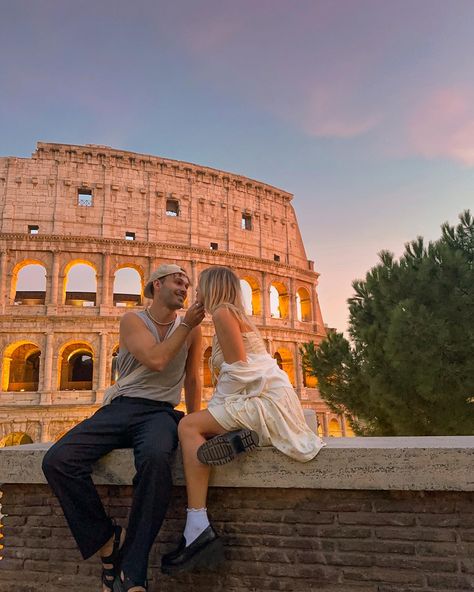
(194, 315)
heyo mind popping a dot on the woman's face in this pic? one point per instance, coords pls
(198, 295)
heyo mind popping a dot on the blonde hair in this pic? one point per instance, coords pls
(220, 286)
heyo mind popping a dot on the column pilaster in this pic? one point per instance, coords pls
(265, 298)
(53, 281)
(101, 383)
(298, 371)
(105, 295)
(45, 385)
(3, 280)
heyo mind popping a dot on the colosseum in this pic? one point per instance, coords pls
(81, 229)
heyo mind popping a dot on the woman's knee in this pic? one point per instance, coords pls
(187, 427)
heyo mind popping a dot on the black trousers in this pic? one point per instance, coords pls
(150, 428)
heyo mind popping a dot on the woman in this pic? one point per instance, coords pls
(253, 402)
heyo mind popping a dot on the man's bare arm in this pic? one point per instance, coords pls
(192, 382)
(140, 342)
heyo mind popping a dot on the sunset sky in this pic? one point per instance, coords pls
(363, 109)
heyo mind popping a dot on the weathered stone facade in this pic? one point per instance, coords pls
(109, 210)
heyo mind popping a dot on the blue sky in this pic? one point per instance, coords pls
(364, 109)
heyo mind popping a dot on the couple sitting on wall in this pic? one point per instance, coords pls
(160, 352)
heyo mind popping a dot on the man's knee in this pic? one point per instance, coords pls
(56, 460)
(155, 460)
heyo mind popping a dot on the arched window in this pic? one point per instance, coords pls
(21, 366)
(76, 368)
(81, 285)
(30, 286)
(303, 305)
(278, 301)
(127, 287)
(15, 439)
(335, 428)
(251, 293)
(285, 362)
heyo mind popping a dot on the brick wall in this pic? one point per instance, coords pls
(276, 539)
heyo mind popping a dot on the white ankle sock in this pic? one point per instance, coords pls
(196, 522)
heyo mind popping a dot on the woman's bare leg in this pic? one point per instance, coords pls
(194, 430)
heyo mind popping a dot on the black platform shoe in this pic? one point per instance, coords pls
(207, 551)
(125, 584)
(225, 447)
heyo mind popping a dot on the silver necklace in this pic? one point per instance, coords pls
(147, 310)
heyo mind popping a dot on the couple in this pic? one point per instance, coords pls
(160, 353)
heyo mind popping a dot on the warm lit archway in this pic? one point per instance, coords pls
(80, 284)
(28, 287)
(206, 370)
(303, 305)
(76, 367)
(21, 367)
(309, 381)
(252, 295)
(279, 301)
(15, 439)
(285, 362)
(335, 428)
(128, 287)
(113, 367)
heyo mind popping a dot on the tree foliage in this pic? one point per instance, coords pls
(409, 367)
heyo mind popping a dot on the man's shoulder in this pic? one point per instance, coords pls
(131, 319)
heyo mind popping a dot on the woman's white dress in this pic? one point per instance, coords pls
(258, 395)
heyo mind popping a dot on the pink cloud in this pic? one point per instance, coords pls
(443, 126)
(328, 112)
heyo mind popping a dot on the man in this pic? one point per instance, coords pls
(164, 352)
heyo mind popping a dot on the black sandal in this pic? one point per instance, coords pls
(111, 563)
(126, 584)
(225, 447)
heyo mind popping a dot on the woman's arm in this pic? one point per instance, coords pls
(229, 335)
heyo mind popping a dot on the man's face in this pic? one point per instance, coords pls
(172, 290)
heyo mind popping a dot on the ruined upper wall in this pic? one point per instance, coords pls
(129, 194)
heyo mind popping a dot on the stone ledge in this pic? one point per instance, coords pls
(412, 463)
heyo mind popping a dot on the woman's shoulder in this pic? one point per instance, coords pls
(224, 313)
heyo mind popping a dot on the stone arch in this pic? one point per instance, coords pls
(21, 367)
(252, 294)
(279, 300)
(128, 285)
(28, 286)
(80, 284)
(335, 429)
(113, 365)
(76, 366)
(15, 439)
(206, 370)
(303, 305)
(284, 359)
(59, 428)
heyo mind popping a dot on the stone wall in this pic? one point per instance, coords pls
(367, 515)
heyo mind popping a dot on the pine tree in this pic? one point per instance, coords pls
(409, 366)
